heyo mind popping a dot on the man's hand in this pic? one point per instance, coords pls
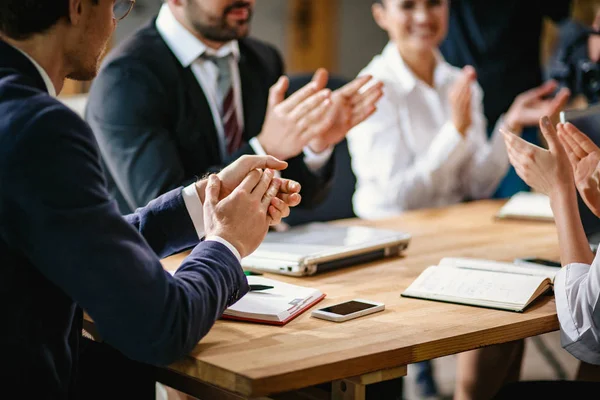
(233, 175)
(547, 171)
(584, 156)
(530, 106)
(292, 123)
(241, 217)
(352, 104)
(460, 100)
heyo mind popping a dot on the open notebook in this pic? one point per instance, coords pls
(276, 306)
(483, 283)
(527, 205)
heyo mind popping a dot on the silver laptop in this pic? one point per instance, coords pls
(318, 247)
(588, 121)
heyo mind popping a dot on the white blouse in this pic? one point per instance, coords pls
(409, 155)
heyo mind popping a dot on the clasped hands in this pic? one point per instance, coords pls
(313, 116)
(244, 199)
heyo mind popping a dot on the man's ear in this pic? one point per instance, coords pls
(378, 11)
(75, 11)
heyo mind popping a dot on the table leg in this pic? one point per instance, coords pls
(355, 388)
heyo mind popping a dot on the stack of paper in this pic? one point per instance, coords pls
(527, 205)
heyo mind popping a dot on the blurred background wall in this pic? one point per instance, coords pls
(337, 34)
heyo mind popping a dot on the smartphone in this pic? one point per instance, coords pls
(537, 261)
(348, 310)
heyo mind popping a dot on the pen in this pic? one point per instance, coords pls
(257, 288)
(251, 273)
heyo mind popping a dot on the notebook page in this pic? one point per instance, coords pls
(475, 285)
(498, 266)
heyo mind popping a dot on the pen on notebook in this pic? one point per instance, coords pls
(257, 288)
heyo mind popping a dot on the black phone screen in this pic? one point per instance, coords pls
(348, 307)
(542, 261)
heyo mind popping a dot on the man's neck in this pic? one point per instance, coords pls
(47, 51)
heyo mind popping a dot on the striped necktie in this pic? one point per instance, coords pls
(228, 110)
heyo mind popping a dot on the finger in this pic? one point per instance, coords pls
(581, 138)
(250, 181)
(277, 91)
(550, 134)
(282, 207)
(291, 200)
(289, 186)
(315, 123)
(300, 95)
(567, 145)
(353, 87)
(543, 90)
(365, 108)
(263, 183)
(261, 162)
(517, 144)
(469, 73)
(274, 216)
(375, 89)
(318, 125)
(310, 104)
(211, 193)
(320, 77)
(559, 101)
(270, 193)
(570, 145)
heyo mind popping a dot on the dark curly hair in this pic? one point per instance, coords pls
(20, 19)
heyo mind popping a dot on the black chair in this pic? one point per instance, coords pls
(338, 203)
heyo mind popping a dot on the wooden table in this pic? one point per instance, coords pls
(251, 360)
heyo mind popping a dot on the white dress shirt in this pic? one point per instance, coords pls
(409, 155)
(191, 199)
(577, 294)
(188, 49)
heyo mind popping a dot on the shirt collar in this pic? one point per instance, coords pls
(407, 79)
(187, 47)
(45, 77)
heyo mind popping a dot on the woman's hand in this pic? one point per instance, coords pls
(584, 156)
(547, 171)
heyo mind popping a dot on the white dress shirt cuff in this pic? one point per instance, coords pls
(224, 242)
(563, 285)
(194, 208)
(316, 161)
(258, 149)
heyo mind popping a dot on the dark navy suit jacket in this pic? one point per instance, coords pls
(502, 40)
(157, 131)
(64, 248)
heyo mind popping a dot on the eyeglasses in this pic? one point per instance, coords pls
(122, 8)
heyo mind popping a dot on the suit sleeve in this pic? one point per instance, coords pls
(133, 133)
(63, 220)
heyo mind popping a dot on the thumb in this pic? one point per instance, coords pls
(213, 188)
(275, 163)
(469, 73)
(549, 133)
(278, 90)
